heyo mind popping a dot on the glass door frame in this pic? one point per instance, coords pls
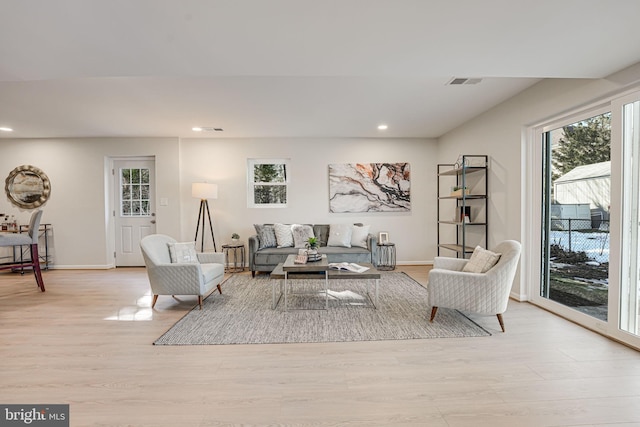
(625, 171)
(534, 201)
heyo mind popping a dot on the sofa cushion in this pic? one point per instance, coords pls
(301, 234)
(211, 272)
(266, 236)
(359, 235)
(340, 235)
(284, 235)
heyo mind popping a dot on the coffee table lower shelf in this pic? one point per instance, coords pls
(281, 277)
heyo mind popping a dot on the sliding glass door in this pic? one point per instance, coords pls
(585, 240)
(576, 214)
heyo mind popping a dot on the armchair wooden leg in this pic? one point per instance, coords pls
(200, 301)
(433, 313)
(501, 321)
(153, 303)
(220, 289)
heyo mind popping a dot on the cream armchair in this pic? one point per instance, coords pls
(483, 293)
(171, 278)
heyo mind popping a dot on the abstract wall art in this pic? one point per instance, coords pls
(369, 187)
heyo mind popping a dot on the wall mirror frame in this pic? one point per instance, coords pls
(27, 187)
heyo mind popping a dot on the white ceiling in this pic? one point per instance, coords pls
(291, 68)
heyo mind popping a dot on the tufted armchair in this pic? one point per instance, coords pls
(171, 278)
(483, 293)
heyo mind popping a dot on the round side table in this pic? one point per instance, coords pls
(237, 249)
(386, 256)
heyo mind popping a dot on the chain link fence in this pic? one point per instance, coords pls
(582, 235)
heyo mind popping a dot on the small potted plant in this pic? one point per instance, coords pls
(235, 237)
(312, 243)
(457, 190)
(312, 249)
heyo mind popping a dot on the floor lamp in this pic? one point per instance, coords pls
(204, 191)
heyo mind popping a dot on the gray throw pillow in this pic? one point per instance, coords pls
(321, 231)
(266, 236)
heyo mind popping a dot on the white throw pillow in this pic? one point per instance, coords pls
(301, 234)
(481, 261)
(284, 235)
(340, 235)
(183, 253)
(359, 235)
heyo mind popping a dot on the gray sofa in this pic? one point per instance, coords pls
(266, 259)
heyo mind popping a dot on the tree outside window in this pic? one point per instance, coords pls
(268, 181)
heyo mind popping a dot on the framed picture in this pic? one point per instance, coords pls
(383, 237)
(27, 187)
(369, 187)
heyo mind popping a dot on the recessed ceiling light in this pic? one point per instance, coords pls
(383, 127)
(206, 129)
(6, 129)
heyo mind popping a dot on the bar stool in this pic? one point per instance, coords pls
(30, 239)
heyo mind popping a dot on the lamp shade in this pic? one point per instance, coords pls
(204, 190)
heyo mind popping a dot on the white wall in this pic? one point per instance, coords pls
(224, 161)
(76, 168)
(77, 208)
(501, 133)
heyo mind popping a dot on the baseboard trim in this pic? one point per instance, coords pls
(81, 267)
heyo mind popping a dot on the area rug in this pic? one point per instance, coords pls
(243, 314)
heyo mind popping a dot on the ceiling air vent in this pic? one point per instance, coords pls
(456, 81)
(211, 129)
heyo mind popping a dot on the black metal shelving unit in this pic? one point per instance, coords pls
(470, 172)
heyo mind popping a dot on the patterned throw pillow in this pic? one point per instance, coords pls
(266, 236)
(183, 253)
(284, 235)
(481, 261)
(359, 235)
(340, 235)
(321, 232)
(301, 234)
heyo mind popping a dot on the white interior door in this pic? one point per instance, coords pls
(134, 208)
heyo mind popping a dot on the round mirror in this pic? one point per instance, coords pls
(27, 187)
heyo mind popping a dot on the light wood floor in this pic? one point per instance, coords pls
(87, 341)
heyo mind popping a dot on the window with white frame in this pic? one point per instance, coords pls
(134, 192)
(268, 180)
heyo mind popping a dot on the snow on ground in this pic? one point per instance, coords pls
(595, 245)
